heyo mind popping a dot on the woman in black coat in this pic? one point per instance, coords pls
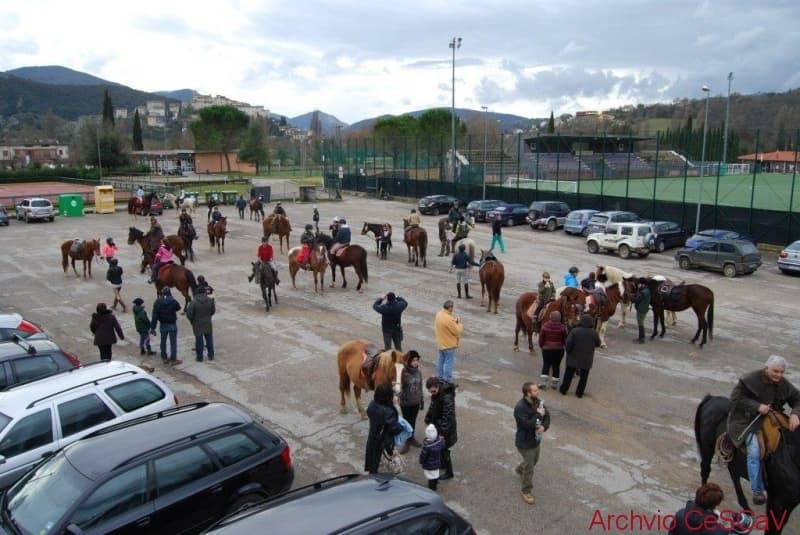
(442, 414)
(580, 345)
(383, 426)
(106, 329)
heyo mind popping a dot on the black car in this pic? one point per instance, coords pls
(548, 214)
(510, 214)
(353, 504)
(437, 204)
(666, 234)
(479, 209)
(175, 471)
(30, 359)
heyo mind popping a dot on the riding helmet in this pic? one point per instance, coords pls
(574, 270)
(113, 261)
(342, 221)
(109, 240)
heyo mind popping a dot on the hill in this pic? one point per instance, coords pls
(57, 75)
(327, 121)
(184, 95)
(505, 122)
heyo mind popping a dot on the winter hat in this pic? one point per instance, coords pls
(390, 296)
(430, 432)
(166, 291)
(138, 301)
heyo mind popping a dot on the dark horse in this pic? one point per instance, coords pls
(351, 255)
(284, 229)
(136, 207)
(149, 244)
(266, 279)
(216, 233)
(416, 239)
(187, 233)
(492, 274)
(256, 209)
(178, 277)
(85, 252)
(377, 231)
(781, 469)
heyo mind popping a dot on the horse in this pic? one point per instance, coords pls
(137, 207)
(602, 313)
(565, 304)
(178, 277)
(445, 235)
(150, 244)
(781, 470)
(256, 209)
(351, 255)
(698, 297)
(170, 201)
(349, 360)
(610, 275)
(188, 202)
(377, 231)
(318, 260)
(187, 233)
(491, 274)
(266, 279)
(86, 252)
(416, 240)
(216, 233)
(284, 229)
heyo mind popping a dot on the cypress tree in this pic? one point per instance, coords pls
(108, 109)
(137, 132)
(551, 125)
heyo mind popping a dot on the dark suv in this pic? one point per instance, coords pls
(548, 214)
(353, 504)
(26, 360)
(175, 471)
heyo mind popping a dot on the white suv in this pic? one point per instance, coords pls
(35, 208)
(40, 417)
(622, 238)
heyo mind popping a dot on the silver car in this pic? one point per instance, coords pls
(35, 208)
(789, 259)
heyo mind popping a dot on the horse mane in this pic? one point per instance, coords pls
(385, 364)
(326, 240)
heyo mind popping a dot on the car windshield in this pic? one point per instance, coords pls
(794, 246)
(574, 215)
(599, 219)
(38, 501)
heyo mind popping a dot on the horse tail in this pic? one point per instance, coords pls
(65, 255)
(191, 280)
(710, 318)
(698, 423)
(363, 263)
(423, 242)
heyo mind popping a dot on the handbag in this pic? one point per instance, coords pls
(392, 464)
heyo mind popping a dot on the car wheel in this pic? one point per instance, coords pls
(684, 263)
(660, 246)
(624, 251)
(51, 218)
(441, 210)
(729, 270)
(27, 219)
(592, 247)
(245, 501)
(551, 225)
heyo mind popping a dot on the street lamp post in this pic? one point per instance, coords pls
(454, 44)
(485, 113)
(727, 113)
(707, 91)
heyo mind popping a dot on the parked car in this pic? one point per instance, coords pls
(666, 234)
(479, 209)
(789, 259)
(598, 222)
(156, 206)
(27, 360)
(353, 504)
(437, 204)
(3, 216)
(175, 471)
(621, 238)
(510, 214)
(577, 222)
(12, 324)
(547, 214)
(716, 234)
(40, 417)
(732, 257)
(34, 208)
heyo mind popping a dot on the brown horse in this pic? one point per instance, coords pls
(318, 260)
(284, 229)
(377, 231)
(416, 240)
(524, 320)
(86, 251)
(351, 255)
(137, 207)
(216, 233)
(565, 304)
(602, 313)
(256, 209)
(150, 243)
(178, 277)
(349, 360)
(492, 274)
(666, 296)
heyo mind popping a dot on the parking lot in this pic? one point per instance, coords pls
(628, 445)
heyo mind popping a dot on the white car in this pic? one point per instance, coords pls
(40, 417)
(35, 208)
(621, 238)
(12, 324)
(789, 259)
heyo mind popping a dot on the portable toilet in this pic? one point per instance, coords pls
(104, 199)
(70, 205)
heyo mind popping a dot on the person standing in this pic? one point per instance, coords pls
(165, 312)
(383, 426)
(442, 414)
(411, 398)
(571, 278)
(430, 456)
(114, 277)
(642, 301)
(315, 219)
(391, 308)
(580, 345)
(448, 329)
(106, 329)
(199, 313)
(460, 262)
(109, 249)
(546, 293)
(533, 419)
(552, 337)
(241, 204)
(755, 394)
(497, 234)
(142, 323)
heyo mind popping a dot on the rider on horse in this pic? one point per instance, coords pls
(109, 249)
(266, 255)
(368, 362)
(546, 293)
(278, 210)
(342, 238)
(163, 256)
(212, 203)
(334, 227)
(454, 214)
(155, 228)
(307, 241)
(216, 215)
(413, 220)
(461, 230)
(571, 278)
(754, 396)
(597, 295)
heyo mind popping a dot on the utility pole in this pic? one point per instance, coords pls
(727, 113)
(455, 43)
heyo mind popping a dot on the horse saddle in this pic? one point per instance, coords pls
(669, 291)
(769, 438)
(76, 247)
(597, 298)
(340, 251)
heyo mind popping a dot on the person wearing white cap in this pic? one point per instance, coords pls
(430, 456)
(754, 396)
(334, 228)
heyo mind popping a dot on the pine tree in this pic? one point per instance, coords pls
(137, 132)
(108, 109)
(551, 125)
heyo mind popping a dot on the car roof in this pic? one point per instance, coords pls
(794, 246)
(9, 319)
(11, 348)
(104, 450)
(35, 199)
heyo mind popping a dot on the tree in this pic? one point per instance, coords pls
(397, 133)
(95, 137)
(316, 125)
(219, 128)
(108, 109)
(254, 148)
(551, 125)
(137, 132)
(283, 120)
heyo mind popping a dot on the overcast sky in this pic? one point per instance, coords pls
(358, 59)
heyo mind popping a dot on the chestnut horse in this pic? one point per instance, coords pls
(178, 277)
(601, 314)
(216, 233)
(88, 249)
(318, 260)
(349, 360)
(608, 275)
(352, 255)
(492, 274)
(416, 240)
(150, 244)
(284, 229)
(256, 209)
(565, 304)
(377, 231)
(681, 297)
(137, 207)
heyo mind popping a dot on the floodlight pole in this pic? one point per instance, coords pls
(707, 91)
(727, 113)
(485, 113)
(454, 44)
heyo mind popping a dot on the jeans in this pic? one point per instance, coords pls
(392, 336)
(498, 239)
(444, 366)
(754, 463)
(169, 330)
(208, 338)
(144, 340)
(530, 456)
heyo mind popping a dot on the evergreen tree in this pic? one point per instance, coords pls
(254, 148)
(108, 109)
(551, 125)
(137, 132)
(219, 129)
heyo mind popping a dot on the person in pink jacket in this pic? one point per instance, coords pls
(163, 256)
(109, 249)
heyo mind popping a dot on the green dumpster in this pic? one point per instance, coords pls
(216, 194)
(70, 205)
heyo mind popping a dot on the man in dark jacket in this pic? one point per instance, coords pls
(754, 396)
(199, 313)
(642, 301)
(391, 308)
(442, 414)
(383, 426)
(580, 345)
(165, 310)
(532, 420)
(241, 204)
(460, 262)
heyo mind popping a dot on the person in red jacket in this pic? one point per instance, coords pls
(266, 255)
(552, 337)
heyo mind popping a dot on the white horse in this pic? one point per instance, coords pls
(188, 202)
(613, 275)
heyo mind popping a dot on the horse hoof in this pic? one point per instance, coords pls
(603, 346)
